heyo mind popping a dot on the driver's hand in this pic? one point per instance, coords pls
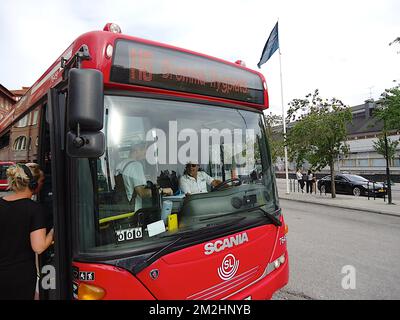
(167, 191)
(216, 183)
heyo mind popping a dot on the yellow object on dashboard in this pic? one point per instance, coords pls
(172, 222)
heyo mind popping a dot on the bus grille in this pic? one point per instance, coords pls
(226, 286)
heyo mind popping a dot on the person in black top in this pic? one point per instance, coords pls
(23, 233)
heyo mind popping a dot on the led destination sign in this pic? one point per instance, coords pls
(152, 66)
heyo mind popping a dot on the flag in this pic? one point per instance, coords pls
(270, 47)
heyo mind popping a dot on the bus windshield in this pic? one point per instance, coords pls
(143, 190)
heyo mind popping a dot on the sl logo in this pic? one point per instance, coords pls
(229, 267)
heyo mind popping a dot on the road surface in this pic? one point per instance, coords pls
(322, 240)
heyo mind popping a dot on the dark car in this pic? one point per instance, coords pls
(352, 184)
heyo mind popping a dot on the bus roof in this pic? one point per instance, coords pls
(225, 82)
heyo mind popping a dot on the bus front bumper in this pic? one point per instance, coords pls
(267, 286)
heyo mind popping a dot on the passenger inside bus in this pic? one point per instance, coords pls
(195, 180)
(132, 172)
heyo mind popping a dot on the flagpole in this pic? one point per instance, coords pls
(284, 125)
(270, 47)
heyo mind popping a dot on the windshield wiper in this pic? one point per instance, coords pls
(148, 261)
(274, 219)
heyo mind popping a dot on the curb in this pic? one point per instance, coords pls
(342, 206)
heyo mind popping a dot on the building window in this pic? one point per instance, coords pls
(20, 143)
(362, 162)
(348, 163)
(378, 162)
(359, 114)
(5, 140)
(23, 122)
(35, 117)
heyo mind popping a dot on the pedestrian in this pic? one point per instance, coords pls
(300, 180)
(314, 183)
(310, 177)
(23, 233)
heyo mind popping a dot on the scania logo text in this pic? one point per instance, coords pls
(221, 245)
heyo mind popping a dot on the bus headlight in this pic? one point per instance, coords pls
(276, 264)
(90, 292)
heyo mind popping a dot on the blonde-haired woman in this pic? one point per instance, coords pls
(23, 233)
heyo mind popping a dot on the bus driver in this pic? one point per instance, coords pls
(195, 181)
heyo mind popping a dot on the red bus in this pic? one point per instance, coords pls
(120, 121)
(3, 175)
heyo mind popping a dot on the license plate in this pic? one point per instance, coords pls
(381, 190)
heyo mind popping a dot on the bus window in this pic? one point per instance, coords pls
(146, 138)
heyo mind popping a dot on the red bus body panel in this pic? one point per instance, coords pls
(190, 274)
(118, 283)
(4, 182)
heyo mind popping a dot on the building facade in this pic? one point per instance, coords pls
(7, 100)
(362, 134)
(18, 94)
(20, 142)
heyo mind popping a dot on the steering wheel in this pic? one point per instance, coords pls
(235, 182)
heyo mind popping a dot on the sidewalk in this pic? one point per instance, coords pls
(377, 206)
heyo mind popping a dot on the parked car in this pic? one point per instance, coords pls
(352, 184)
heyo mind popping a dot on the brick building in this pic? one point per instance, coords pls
(19, 93)
(7, 100)
(20, 143)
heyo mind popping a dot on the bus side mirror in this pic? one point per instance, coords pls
(85, 114)
(86, 145)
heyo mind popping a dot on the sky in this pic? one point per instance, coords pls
(340, 47)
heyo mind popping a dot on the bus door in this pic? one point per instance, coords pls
(54, 263)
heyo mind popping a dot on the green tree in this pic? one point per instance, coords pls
(319, 131)
(380, 147)
(275, 135)
(389, 113)
(389, 109)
